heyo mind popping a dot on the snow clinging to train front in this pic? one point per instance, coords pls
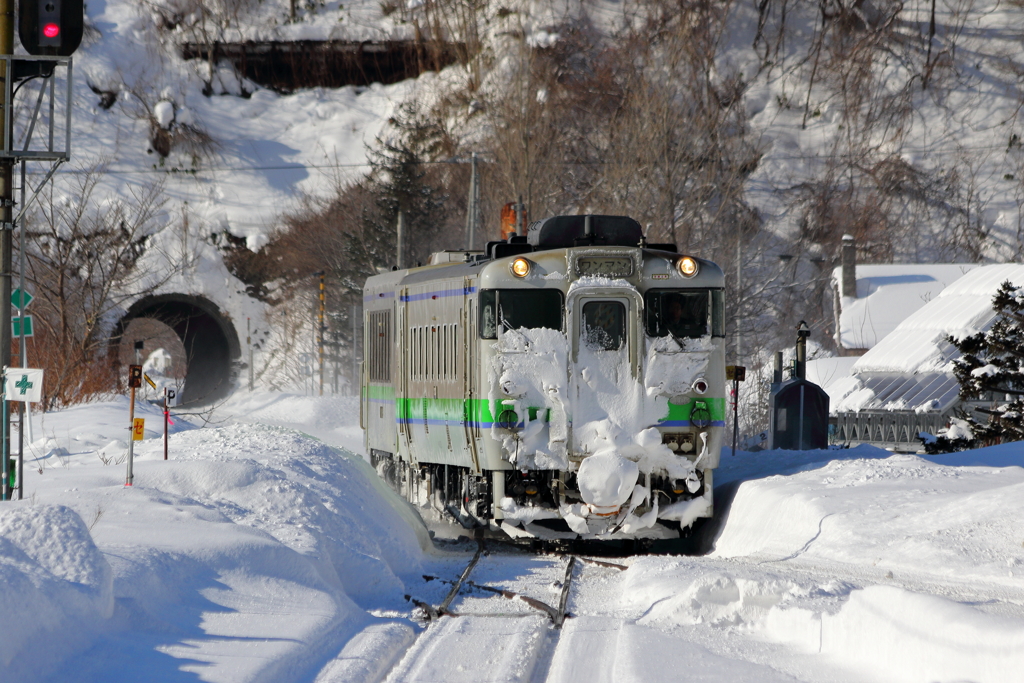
(598, 418)
(529, 372)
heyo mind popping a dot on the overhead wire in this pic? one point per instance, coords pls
(298, 166)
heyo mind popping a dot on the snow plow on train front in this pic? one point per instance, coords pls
(565, 384)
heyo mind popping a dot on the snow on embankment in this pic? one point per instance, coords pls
(251, 555)
(884, 529)
(57, 586)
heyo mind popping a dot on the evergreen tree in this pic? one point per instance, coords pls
(993, 361)
(401, 180)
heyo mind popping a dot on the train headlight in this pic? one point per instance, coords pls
(700, 386)
(520, 267)
(688, 266)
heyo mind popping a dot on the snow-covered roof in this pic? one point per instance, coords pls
(910, 369)
(887, 294)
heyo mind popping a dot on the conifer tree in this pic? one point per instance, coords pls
(993, 362)
(400, 180)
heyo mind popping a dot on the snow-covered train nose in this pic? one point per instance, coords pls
(606, 481)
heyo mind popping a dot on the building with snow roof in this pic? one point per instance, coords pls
(872, 300)
(904, 384)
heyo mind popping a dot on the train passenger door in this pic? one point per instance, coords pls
(468, 370)
(603, 330)
(402, 381)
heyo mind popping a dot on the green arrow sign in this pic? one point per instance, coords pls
(16, 326)
(20, 299)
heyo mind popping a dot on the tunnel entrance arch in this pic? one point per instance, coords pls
(210, 341)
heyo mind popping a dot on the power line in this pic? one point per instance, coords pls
(300, 166)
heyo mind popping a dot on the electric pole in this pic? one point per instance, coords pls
(473, 205)
(6, 234)
(400, 239)
(320, 329)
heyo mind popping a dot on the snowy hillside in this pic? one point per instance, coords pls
(264, 148)
(257, 553)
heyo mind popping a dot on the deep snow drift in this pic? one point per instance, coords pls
(257, 553)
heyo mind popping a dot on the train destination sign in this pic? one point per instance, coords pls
(607, 266)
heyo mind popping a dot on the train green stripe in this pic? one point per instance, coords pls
(476, 410)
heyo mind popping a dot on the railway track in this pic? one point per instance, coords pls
(484, 632)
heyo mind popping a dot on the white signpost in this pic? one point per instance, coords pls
(20, 384)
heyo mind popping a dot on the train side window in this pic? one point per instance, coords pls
(444, 352)
(717, 312)
(379, 331)
(416, 345)
(520, 309)
(414, 353)
(681, 313)
(430, 353)
(488, 316)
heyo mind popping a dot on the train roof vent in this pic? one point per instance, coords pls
(560, 232)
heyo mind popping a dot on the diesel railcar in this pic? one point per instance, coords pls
(566, 383)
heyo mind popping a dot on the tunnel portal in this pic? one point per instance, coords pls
(211, 343)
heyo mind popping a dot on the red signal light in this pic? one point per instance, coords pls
(51, 30)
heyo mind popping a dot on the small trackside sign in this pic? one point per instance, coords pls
(138, 429)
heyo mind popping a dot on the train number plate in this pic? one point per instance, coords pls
(606, 266)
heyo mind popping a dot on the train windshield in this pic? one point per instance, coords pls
(519, 308)
(604, 325)
(684, 313)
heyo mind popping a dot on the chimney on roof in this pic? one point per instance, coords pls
(848, 287)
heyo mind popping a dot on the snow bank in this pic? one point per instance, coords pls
(907, 569)
(886, 632)
(904, 636)
(903, 512)
(252, 554)
(57, 587)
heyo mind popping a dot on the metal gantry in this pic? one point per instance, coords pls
(53, 147)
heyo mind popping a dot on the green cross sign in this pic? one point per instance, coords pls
(23, 385)
(21, 298)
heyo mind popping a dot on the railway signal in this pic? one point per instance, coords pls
(735, 374)
(51, 27)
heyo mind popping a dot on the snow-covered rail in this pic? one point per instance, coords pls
(472, 635)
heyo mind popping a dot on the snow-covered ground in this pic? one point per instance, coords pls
(264, 551)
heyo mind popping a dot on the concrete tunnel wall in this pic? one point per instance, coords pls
(211, 343)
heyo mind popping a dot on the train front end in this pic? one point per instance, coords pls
(603, 382)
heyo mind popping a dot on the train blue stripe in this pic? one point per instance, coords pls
(379, 295)
(440, 294)
(452, 423)
(687, 423)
